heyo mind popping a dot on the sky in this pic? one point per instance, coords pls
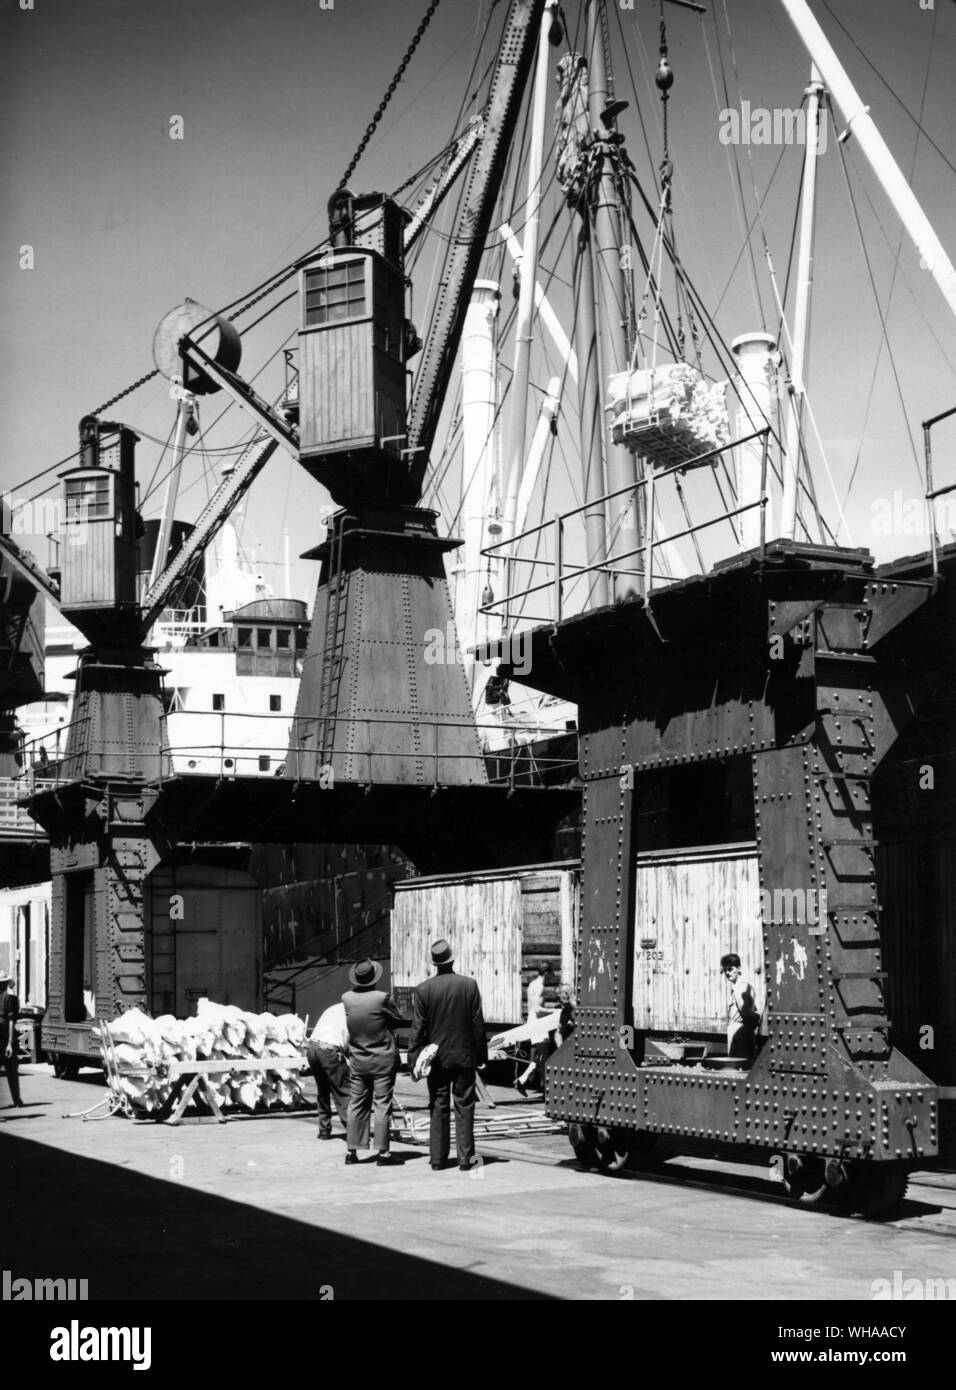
(122, 221)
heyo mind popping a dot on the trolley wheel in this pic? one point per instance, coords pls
(65, 1067)
(876, 1189)
(613, 1150)
(584, 1143)
(805, 1179)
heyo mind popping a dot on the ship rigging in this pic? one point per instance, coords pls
(754, 697)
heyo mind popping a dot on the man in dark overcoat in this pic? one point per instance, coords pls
(446, 1012)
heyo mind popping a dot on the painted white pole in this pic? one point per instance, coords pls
(542, 307)
(529, 271)
(479, 404)
(863, 129)
(753, 352)
(171, 494)
(547, 413)
(801, 313)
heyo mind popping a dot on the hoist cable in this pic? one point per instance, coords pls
(389, 93)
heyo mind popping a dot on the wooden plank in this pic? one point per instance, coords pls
(212, 1066)
(689, 912)
(483, 923)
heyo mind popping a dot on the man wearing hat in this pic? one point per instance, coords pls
(371, 1019)
(9, 1013)
(446, 1012)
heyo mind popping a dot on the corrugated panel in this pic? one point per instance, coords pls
(336, 385)
(691, 909)
(483, 923)
(89, 573)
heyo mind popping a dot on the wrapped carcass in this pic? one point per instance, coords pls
(670, 414)
(143, 1048)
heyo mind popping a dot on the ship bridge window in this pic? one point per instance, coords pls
(264, 639)
(335, 294)
(245, 637)
(275, 704)
(283, 638)
(219, 702)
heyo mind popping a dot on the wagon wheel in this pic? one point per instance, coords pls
(584, 1143)
(613, 1149)
(804, 1178)
(65, 1068)
(877, 1189)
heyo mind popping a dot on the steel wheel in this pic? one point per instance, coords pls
(584, 1143)
(613, 1150)
(805, 1179)
(877, 1189)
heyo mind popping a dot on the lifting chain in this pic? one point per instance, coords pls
(664, 79)
(369, 132)
(389, 93)
(126, 392)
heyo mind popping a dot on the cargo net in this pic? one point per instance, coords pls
(670, 414)
(138, 1052)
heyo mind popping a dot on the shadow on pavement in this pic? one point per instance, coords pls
(133, 1236)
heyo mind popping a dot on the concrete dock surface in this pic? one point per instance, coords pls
(259, 1209)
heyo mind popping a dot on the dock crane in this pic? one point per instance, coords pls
(368, 699)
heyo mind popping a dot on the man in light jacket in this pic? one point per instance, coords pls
(327, 1055)
(446, 1011)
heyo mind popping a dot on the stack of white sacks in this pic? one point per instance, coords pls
(218, 1032)
(692, 410)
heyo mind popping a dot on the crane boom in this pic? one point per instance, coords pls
(210, 521)
(469, 234)
(435, 196)
(28, 567)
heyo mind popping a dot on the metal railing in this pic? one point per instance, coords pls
(933, 493)
(565, 571)
(302, 748)
(16, 823)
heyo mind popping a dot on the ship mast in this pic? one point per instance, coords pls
(529, 271)
(611, 295)
(801, 316)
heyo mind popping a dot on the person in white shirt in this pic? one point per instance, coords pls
(327, 1055)
(536, 1009)
(743, 1016)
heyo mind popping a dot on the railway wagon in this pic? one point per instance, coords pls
(200, 937)
(501, 925)
(753, 738)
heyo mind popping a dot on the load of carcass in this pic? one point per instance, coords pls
(143, 1049)
(670, 414)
